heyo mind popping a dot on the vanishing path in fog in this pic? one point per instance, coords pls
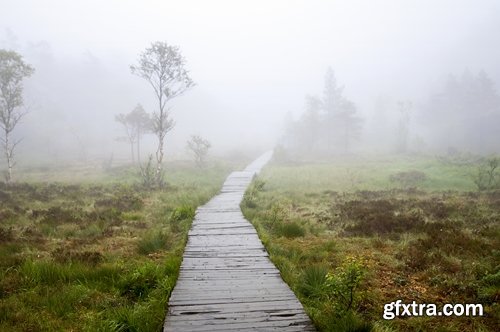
(226, 281)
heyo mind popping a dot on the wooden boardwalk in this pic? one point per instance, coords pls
(226, 281)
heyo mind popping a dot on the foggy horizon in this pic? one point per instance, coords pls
(253, 63)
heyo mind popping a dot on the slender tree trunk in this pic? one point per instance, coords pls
(132, 151)
(159, 159)
(139, 148)
(161, 135)
(8, 157)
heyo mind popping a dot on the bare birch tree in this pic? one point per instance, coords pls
(12, 72)
(162, 66)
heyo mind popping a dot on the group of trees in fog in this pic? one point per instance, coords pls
(330, 123)
(161, 65)
(136, 123)
(463, 115)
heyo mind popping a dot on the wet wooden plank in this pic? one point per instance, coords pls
(226, 280)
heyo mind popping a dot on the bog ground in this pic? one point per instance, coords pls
(352, 234)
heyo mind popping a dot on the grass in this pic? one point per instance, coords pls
(351, 174)
(351, 235)
(95, 254)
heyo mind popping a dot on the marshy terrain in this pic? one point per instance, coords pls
(99, 252)
(350, 235)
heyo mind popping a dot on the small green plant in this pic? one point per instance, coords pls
(344, 283)
(184, 212)
(179, 216)
(487, 176)
(258, 185)
(148, 174)
(276, 216)
(250, 197)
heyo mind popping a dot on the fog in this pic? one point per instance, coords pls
(253, 63)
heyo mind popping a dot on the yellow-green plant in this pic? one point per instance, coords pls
(344, 282)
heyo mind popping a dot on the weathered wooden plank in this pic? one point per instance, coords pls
(249, 305)
(236, 325)
(270, 314)
(248, 299)
(222, 225)
(222, 231)
(221, 325)
(219, 254)
(226, 275)
(226, 280)
(212, 260)
(264, 285)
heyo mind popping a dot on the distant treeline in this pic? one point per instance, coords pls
(462, 115)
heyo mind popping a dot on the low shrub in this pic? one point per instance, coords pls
(487, 176)
(152, 242)
(344, 283)
(291, 230)
(184, 212)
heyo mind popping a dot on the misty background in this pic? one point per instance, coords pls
(254, 63)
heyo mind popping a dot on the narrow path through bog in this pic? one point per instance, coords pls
(226, 280)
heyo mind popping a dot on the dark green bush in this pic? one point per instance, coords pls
(291, 230)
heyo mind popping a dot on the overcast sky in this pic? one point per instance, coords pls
(253, 61)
